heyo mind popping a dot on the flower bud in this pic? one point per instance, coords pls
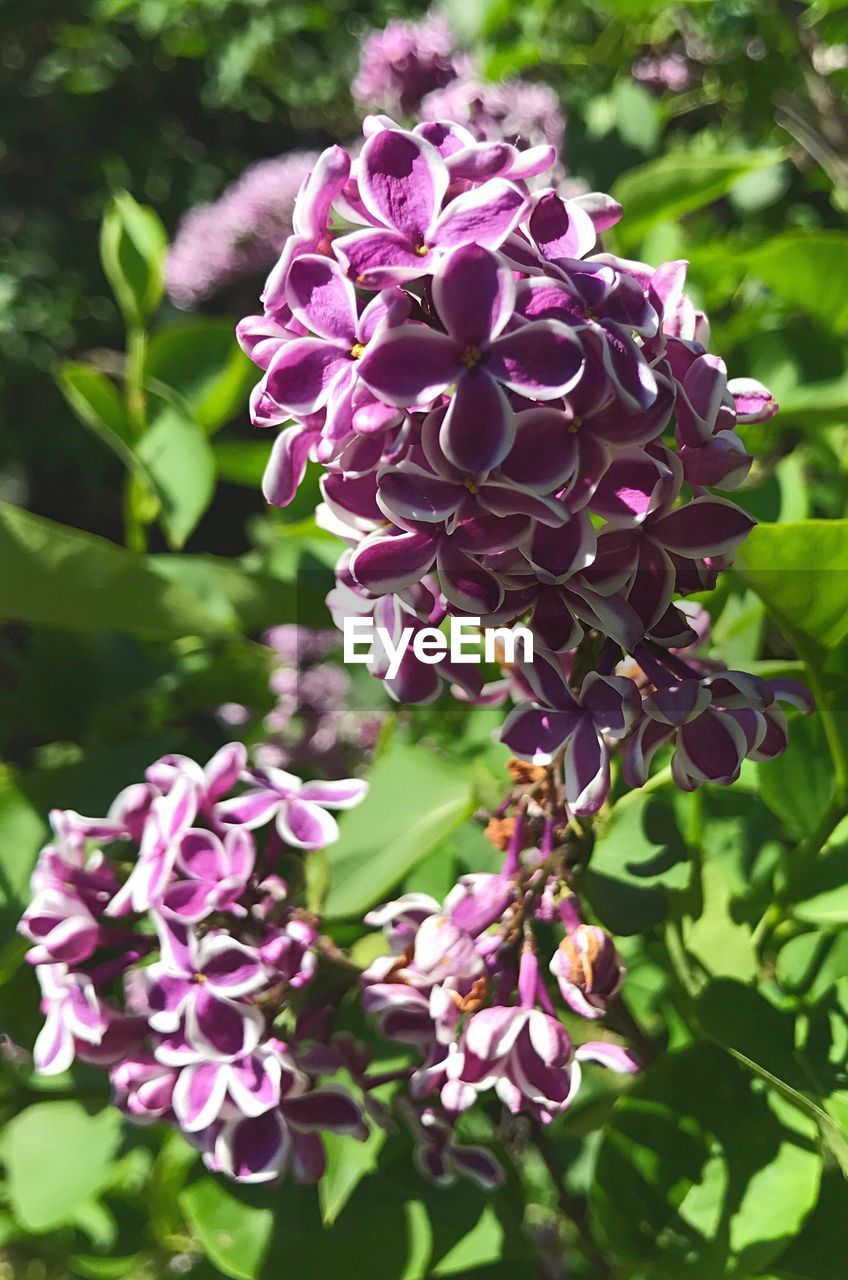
(588, 969)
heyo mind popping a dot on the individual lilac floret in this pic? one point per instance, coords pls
(167, 955)
(605, 710)
(300, 808)
(586, 965)
(239, 234)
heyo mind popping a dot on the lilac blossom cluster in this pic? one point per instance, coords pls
(515, 426)
(314, 720)
(468, 984)
(414, 69)
(401, 64)
(670, 70)
(241, 233)
(168, 947)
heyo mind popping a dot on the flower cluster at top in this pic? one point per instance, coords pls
(469, 985)
(168, 949)
(514, 426)
(414, 69)
(315, 721)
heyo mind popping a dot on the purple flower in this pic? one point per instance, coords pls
(439, 1157)
(200, 985)
(402, 182)
(266, 1147)
(73, 1013)
(517, 111)
(403, 62)
(239, 234)
(248, 1086)
(144, 1088)
(607, 310)
(312, 373)
(714, 723)
(61, 925)
(215, 874)
(169, 819)
(474, 297)
(588, 970)
(525, 1055)
(606, 708)
(300, 808)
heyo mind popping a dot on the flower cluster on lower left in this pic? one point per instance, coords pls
(170, 951)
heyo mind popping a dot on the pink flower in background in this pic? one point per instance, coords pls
(239, 234)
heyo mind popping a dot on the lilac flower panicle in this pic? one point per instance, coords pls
(239, 234)
(405, 61)
(182, 1014)
(515, 426)
(465, 988)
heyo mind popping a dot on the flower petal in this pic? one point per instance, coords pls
(410, 365)
(402, 181)
(322, 298)
(306, 825)
(474, 294)
(479, 426)
(542, 360)
(483, 216)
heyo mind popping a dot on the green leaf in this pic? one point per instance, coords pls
(825, 900)
(805, 369)
(22, 832)
(700, 1174)
(242, 461)
(59, 577)
(348, 1162)
(762, 1038)
(739, 1018)
(723, 947)
(201, 360)
(179, 462)
(637, 115)
(414, 802)
(238, 597)
(57, 1156)
(800, 570)
(806, 269)
(99, 406)
(798, 785)
(811, 964)
(679, 183)
(133, 245)
(236, 1226)
(820, 1251)
(639, 858)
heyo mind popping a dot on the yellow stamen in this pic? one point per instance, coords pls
(471, 356)
(357, 350)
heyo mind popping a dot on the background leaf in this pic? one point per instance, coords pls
(133, 244)
(45, 1190)
(415, 800)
